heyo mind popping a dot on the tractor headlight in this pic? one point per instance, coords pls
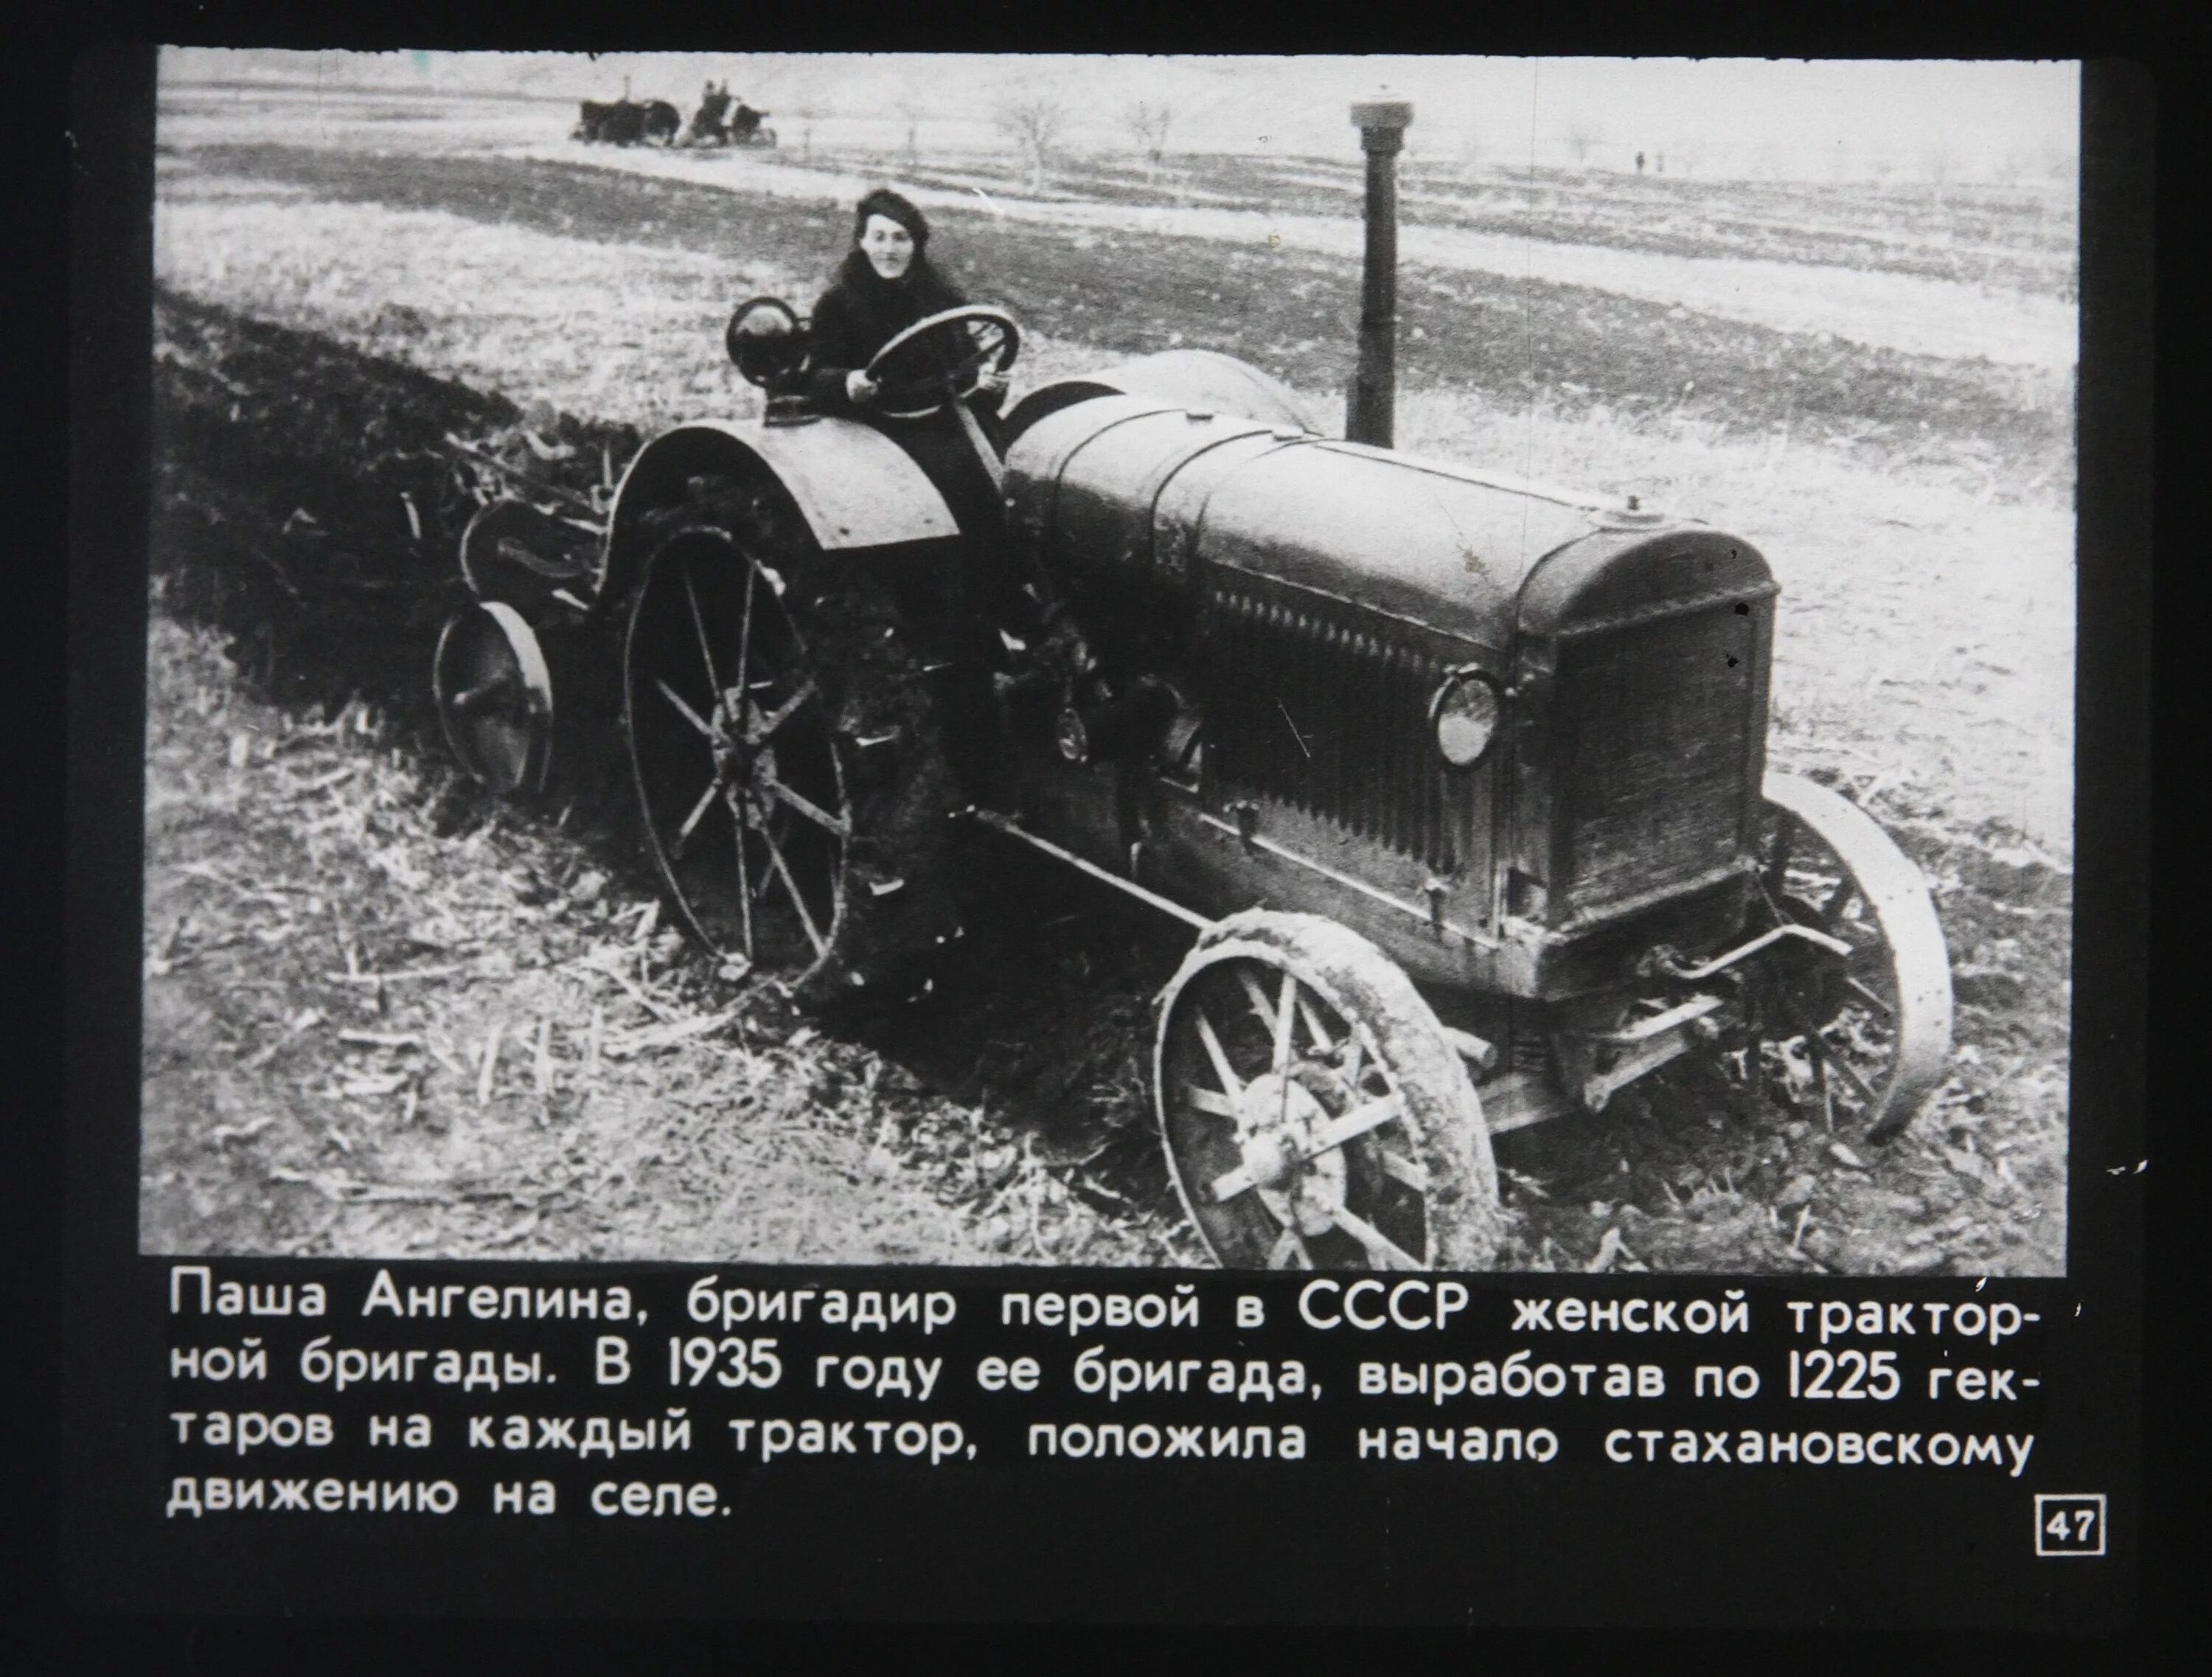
(766, 343)
(1464, 717)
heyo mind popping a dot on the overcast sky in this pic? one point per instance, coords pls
(1795, 114)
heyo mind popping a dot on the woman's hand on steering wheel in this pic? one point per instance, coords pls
(861, 390)
(945, 357)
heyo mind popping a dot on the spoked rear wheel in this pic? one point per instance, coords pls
(786, 752)
(1313, 1113)
(1875, 1023)
(737, 768)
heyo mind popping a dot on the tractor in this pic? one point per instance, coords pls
(1458, 781)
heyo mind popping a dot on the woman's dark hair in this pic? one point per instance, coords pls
(921, 287)
(892, 207)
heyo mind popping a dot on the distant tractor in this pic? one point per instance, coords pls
(1399, 741)
(625, 122)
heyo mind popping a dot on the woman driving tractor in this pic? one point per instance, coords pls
(937, 394)
(884, 284)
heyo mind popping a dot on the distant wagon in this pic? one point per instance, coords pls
(747, 127)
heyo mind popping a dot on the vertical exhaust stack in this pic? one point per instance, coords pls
(1370, 403)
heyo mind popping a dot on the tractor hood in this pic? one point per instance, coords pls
(1157, 494)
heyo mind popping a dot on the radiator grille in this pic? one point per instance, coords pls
(1656, 721)
(1325, 707)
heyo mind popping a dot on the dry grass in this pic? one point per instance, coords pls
(1902, 311)
(383, 1020)
(595, 329)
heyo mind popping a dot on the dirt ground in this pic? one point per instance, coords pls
(386, 1016)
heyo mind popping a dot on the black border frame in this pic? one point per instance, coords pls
(108, 333)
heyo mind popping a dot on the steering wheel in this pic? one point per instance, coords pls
(941, 359)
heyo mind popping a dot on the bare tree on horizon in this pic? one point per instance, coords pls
(1033, 120)
(1148, 120)
(913, 111)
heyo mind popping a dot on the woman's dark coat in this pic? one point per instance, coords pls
(859, 314)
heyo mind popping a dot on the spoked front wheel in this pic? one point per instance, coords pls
(1313, 1113)
(1875, 1023)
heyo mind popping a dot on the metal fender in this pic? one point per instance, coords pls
(854, 486)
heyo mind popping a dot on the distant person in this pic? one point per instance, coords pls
(1639, 163)
(707, 123)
